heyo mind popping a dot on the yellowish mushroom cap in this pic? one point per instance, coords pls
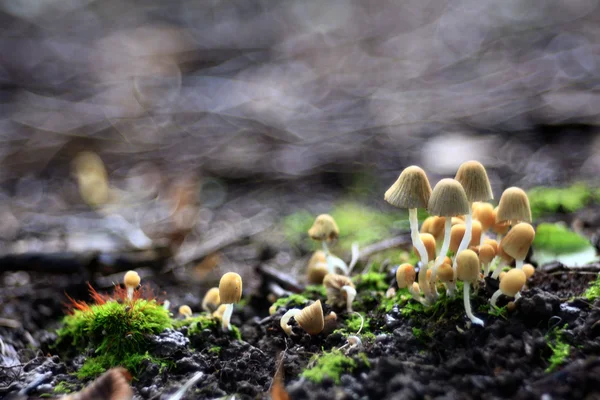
(448, 199)
(501, 275)
(467, 266)
(336, 281)
(230, 288)
(405, 275)
(429, 242)
(486, 253)
(500, 228)
(529, 270)
(311, 318)
(324, 228)
(484, 213)
(186, 311)
(426, 226)
(475, 233)
(473, 177)
(132, 279)
(513, 282)
(513, 206)
(492, 243)
(456, 235)
(445, 271)
(317, 268)
(211, 300)
(517, 241)
(411, 189)
(218, 314)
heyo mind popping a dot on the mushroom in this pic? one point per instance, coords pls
(457, 232)
(500, 228)
(211, 300)
(484, 213)
(405, 278)
(317, 268)
(429, 242)
(412, 190)
(513, 206)
(448, 199)
(468, 272)
(445, 274)
(510, 285)
(486, 255)
(310, 319)
(131, 281)
(230, 293)
(340, 291)
(435, 225)
(476, 233)
(324, 230)
(529, 270)
(473, 178)
(185, 311)
(516, 244)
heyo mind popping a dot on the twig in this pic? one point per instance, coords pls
(391, 243)
(284, 280)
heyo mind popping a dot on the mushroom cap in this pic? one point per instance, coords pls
(445, 271)
(513, 206)
(429, 242)
(324, 228)
(230, 288)
(185, 310)
(467, 266)
(415, 287)
(502, 254)
(405, 275)
(311, 318)
(211, 299)
(517, 241)
(220, 311)
(456, 235)
(500, 228)
(491, 242)
(484, 213)
(336, 281)
(473, 177)
(529, 270)
(476, 231)
(438, 225)
(411, 189)
(426, 226)
(448, 199)
(486, 253)
(317, 268)
(132, 279)
(513, 282)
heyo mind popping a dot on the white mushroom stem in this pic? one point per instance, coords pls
(517, 296)
(444, 250)
(467, 300)
(450, 288)
(486, 269)
(464, 243)
(130, 290)
(354, 260)
(350, 296)
(420, 246)
(498, 269)
(417, 296)
(225, 322)
(285, 319)
(519, 264)
(334, 262)
(495, 297)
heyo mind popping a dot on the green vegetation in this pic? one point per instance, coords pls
(545, 200)
(291, 301)
(593, 291)
(314, 292)
(422, 335)
(353, 323)
(65, 387)
(558, 239)
(402, 297)
(560, 349)
(329, 364)
(374, 281)
(216, 350)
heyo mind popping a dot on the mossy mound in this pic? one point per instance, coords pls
(332, 364)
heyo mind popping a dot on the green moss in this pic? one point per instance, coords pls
(499, 312)
(206, 322)
(545, 200)
(291, 301)
(402, 297)
(560, 349)
(373, 281)
(593, 291)
(94, 366)
(422, 335)
(353, 324)
(216, 350)
(314, 292)
(329, 364)
(65, 387)
(558, 239)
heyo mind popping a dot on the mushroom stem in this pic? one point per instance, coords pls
(420, 246)
(130, 290)
(227, 317)
(350, 296)
(464, 243)
(517, 296)
(486, 269)
(285, 318)
(467, 300)
(498, 269)
(519, 264)
(495, 297)
(334, 262)
(444, 250)
(417, 295)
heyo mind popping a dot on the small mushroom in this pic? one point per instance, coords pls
(468, 272)
(185, 311)
(340, 291)
(430, 244)
(446, 274)
(499, 228)
(211, 300)
(513, 206)
(132, 281)
(457, 232)
(510, 285)
(324, 230)
(516, 244)
(529, 270)
(317, 268)
(310, 319)
(405, 278)
(486, 256)
(484, 213)
(230, 293)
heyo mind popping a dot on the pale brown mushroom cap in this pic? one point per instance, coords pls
(457, 221)
(491, 242)
(513, 282)
(437, 227)
(513, 206)
(218, 314)
(445, 271)
(324, 228)
(473, 178)
(230, 288)
(132, 279)
(467, 266)
(486, 253)
(311, 318)
(211, 300)
(448, 199)
(336, 281)
(500, 228)
(529, 270)
(476, 231)
(426, 226)
(484, 213)
(456, 235)
(411, 189)
(405, 275)
(517, 241)
(317, 268)
(186, 311)
(502, 254)
(429, 242)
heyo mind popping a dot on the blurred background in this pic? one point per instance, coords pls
(182, 126)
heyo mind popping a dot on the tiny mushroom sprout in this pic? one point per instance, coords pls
(340, 291)
(515, 245)
(468, 272)
(513, 206)
(412, 190)
(131, 281)
(211, 300)
(230, 293)
(324, 230)
(448, 199)
(317, 268)
(185, 311)
(405, 278)
(310, 319)
(486, 255)
(510, 285)
(473, 178)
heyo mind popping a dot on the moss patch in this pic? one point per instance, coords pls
(558, 239)
(65, 387)
(374, 281)
(593, 291)
(545, 200)
(291, 301)
(352, 325)
(329, 365)
(560, 349)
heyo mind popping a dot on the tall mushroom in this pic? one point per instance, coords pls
(468, 272)
(412, 190)
(448, 199)
(473, 178)
(230, 293)
(324, 230)
(513, 206)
